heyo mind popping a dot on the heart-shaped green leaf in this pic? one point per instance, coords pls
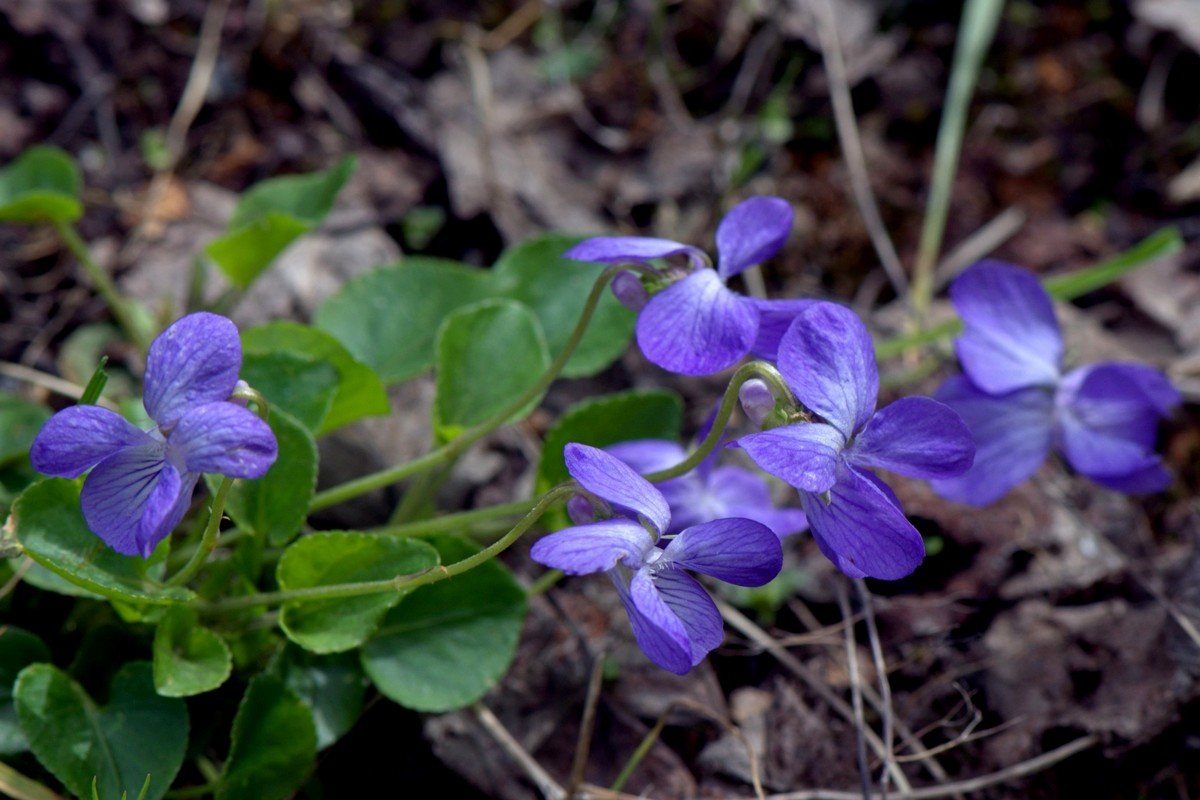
(271, 215)
(138, 733)
(329, 558)
(389, 318)
(276, 505)
(301, 386)
(450, 642)
(188, 659)
(18, 649)
(20, 421)
(51, 528)
(332, 686)
(556, 289)
(488, 355)
(42, 185)
(606, 420)
(360, 392)
(273, 744)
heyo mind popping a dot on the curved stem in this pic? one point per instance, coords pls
(208, 542)
(401, 582)
(120, 307)
(453, 449)
(755, 369)
(449, 522)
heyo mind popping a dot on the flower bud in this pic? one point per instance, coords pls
(628, 288)
(580, 510)
(757, 400)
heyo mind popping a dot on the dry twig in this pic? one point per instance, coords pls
(540, 778)
(860, 724)
(852, 149)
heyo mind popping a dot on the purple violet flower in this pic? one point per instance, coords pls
(688, 321)
(1017, 402)
(828, 361)
(708, 492)
(674, 620)
(143, 480)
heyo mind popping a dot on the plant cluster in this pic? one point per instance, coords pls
(417, 607)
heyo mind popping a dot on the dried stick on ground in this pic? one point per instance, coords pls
(852, 149)
(860, 724)
(539, 777)
(583, 745)
(1006, 775)
(746, 627)
(885, 688)
(191, 100)
(653, 734)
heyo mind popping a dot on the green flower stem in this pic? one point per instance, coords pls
(401, 582)
(181, 556)
(208, 542)
(18, 786)
(975, 34)
(450, 522)
(755, 369)
(545, 582)
(418, 493)
(458, 446)
(120, 307)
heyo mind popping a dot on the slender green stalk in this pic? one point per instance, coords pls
(755, 369)
(208, 542)
(975, 34)
(450, 522)
(544, 582)
(401, 582)
(640, 753)
(453, 449)
(417, 494)
(14, 784)
(120, 307)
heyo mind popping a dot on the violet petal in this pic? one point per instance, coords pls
(696, 326)
(738, 551)
(659, 630)
(78, 437)
(1012, 432)
(804, 455)
(594, 547)
(224, 438)
(632, 249)
(742, 493)
(918, 437)
(1121, 400)
(862, 530)
(194, 361)
(774, 318)
(611, 479)
(828, 360)
(752, 231)
(1011, 338)
(1101, 456)
(132, 499)
(684, 595)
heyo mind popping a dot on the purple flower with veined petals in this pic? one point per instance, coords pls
(828, 361)
(674, 620)
(1103, 418)
(695, 325)
(143, 480)
(709, 491)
